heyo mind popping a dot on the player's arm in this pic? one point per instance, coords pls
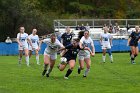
(62, 37)
(30, 42)
(93, 48)
(110, 40)
(86, 48)
(65, 49)
(130, 37)
(62, 49)
(128, 41)
(18, 41)
(81, 43)
(71, 38)
(101, 39)
(37, 40)
(40, 42)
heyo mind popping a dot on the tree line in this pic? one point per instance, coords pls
(41, 13)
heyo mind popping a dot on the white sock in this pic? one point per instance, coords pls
(103, 57)
(37, 59)
(111, 58)
(79, 67)
(45, 66)
(49, 70)
(27, 60)
(86, 72)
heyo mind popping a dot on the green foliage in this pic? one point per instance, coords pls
(41, 13)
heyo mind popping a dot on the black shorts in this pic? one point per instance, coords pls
(68, 59)
(133, 44)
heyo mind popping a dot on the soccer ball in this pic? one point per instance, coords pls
(63, 60)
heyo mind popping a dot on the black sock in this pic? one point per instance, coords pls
(130, 53)
(135, 55)
(45, 66)
(69, 71)
(132, 58)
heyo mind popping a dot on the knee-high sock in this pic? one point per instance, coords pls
(27, 60)
(109, 52)
(111, 58)
(132, 57)
(19, 59)
(135, 55)
(45, 66)
(80, 68)
(130, 53)
(69, 71)
(49, 70)
(86, 72)
(103, 57)
(37, 59)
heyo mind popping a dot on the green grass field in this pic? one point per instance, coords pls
(117, 77)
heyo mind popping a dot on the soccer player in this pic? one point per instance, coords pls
(84, 55)
(70, 55)
(66, 37)
(35, 43)
(106, 43)
(22, 39)
(133, 43)
(50, 53)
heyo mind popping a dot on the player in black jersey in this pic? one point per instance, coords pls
(70, 55)
(66, 37)
(133, 43)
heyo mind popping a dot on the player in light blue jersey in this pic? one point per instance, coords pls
(106, 43)
(84, 55)
(35, 43)
(22, 39)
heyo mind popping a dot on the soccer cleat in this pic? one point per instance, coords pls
(38, 63)
(19, 61)
(84, 76)
(79, 70)
(47, 75)
(133, 63)
(28, 65)
(103, 62)
(66, 77)
(44, 72)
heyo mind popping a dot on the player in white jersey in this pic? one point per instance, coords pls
(35, 43)
(84, 55)
(22, 39)
(106, 43)
(50, 53)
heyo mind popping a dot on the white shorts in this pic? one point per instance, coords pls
(106, 46)
(22, 47)
(34, 48)
(52, 56)
(82, 55)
